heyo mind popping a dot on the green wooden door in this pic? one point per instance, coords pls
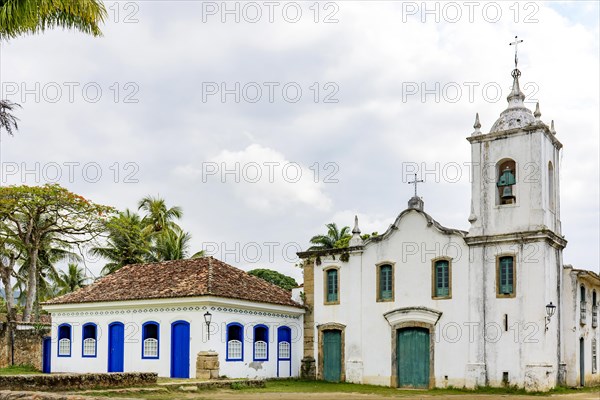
(332, 356)
(412, 350)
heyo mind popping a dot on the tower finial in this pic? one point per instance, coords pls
(537, 114)
(552, 127)
(355, 240)
(477, 125)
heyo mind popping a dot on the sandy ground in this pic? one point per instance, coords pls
(229, 395)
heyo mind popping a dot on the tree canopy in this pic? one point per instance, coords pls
(274, 277)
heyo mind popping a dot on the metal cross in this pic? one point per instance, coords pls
(415, 182)
(516, 44)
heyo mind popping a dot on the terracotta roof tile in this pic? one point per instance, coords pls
(204, 276)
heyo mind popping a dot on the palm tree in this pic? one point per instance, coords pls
(158, 216)
(332, 237)
(172, 244)
(71, 280)
(8, 121)
(19, 17)
(127, 242)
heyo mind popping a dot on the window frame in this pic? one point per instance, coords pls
(144, 325)
(262, 326)
(326, 285)
(83, 338)
(378, 294)
(499, 294)
(227, 358)
(59, 339)
(284, 328)
(434, 294)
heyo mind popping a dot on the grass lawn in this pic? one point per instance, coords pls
(19, 370)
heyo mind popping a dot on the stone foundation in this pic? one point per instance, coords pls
(207, 365)
(308, 370)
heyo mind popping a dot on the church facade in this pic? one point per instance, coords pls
(423, 305)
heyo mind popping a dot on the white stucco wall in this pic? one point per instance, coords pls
(135, 313)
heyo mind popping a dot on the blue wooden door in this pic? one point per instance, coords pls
(116, 343)
(180, 349)
(46, 349)
(412, 348)
(332, 355)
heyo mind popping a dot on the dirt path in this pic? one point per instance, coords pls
(231, 395)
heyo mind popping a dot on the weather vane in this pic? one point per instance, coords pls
(416, 182)
(516, 44)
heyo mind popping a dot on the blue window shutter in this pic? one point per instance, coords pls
(385, 282)
(442, 278)
(506, 275)
(332, 285)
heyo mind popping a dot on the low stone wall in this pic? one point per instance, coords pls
(207, 365)
(24, 347)
(55, 382)
(8, 395)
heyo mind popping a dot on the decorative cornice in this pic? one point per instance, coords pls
(486, 137)
(519, 237)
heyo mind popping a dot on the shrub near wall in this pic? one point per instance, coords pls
(76, 381)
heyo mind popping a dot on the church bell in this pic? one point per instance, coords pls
(507, 179)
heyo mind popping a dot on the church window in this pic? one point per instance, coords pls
(594, 356)
(332, 286)
(89, 340)
(64, 340)
(385, 282)
(441, 278)
(582, 305)
(150, 337)
(235, 342)
(506, 276)
(284, 343)
(261, 343)
(506, 182)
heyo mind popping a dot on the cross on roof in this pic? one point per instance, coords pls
(416, 182)
(516, 44)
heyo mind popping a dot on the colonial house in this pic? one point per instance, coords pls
(423, 305)
(188, 318)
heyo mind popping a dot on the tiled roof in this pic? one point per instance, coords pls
(204, 276)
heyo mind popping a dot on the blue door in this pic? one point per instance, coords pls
(180, 349)
(46, 348)
(116, 342)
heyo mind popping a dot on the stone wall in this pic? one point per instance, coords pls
(76, 381)
(27, 346)
(308, 368)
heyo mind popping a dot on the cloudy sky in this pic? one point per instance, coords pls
(267, 120)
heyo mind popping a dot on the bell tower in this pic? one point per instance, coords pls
(515, 242)
(515, 180)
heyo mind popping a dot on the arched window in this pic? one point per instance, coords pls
(150, 339)
(505, 276)
(441, 279)
(551, 194)
(90, 334)
(64, 340)
(506, 173)
(332, 286)
(582, 305)
(235, 342)
(284, 343)
(261, 343)
(385, 282)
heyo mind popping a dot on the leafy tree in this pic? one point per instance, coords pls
(274, 277)
(19, 17)
(50, 215)
(71, 280)
(8, 259)
(333, 236)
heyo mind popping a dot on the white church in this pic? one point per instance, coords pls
(427, 306)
